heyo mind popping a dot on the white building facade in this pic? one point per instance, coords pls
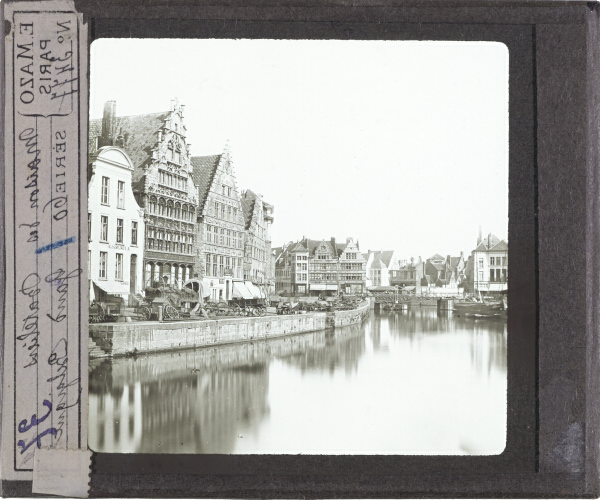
(490, 265)
(115, 227)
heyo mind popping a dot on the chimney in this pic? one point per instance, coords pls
(109, 119)
(479, 239)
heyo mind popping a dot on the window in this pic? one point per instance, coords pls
(89, 263)
(221, 265)
(169, 210)
(177, 157)
(104, 195)
(222, 236)
(492, 261)
(134, 232)
(504, 261)
(102, 267)
(119, 230)
(228, 191)
(121, 195)
(119, 267)
(228, 238)
(481, 262)
(209, 234)
(224, 190)
(235, 214)
(504, 275)
(480, 274)
(185, 212)
(153, 205)
(177, 211)
(89, 226)
(492, 275)
(104, 228)
(222, 214)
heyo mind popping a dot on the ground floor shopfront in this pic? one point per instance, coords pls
(328, 289)
(173, 274)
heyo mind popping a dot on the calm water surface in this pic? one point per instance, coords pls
(400, 383)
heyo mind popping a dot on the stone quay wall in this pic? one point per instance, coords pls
(121, 339)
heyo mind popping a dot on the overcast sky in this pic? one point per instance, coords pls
(401, 145)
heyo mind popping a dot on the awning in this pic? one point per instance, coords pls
(240, 291)
(409, 289)
(254, 290)
(112, 287)
(322, 286)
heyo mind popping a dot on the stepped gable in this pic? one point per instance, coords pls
(139, 136)
(203, 174)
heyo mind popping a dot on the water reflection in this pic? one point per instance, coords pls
(402, 383)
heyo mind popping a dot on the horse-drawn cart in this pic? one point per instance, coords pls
(150, 309)
(105, 311)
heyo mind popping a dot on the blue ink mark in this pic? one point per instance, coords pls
(23, 427)
(36, 439)
(56, 244)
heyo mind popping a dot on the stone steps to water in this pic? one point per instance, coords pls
(95, 351)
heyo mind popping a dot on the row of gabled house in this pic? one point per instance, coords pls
(159, 216)
(320, 267)
(484, 271)
(328, 267)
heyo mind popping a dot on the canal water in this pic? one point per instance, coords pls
(401, 383)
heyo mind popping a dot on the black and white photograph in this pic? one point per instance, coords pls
(298, 247)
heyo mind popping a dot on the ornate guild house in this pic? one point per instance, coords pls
(163, 187)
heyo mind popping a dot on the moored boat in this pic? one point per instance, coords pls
(480, 309)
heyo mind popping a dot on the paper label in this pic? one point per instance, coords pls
(45, 179)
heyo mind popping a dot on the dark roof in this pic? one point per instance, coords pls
(95, 131)
(139, 136)
(490, 243)
(203, 173)
(376, 263)
(500, 246)
(385, 256)
(436, 256)
(248, 209)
